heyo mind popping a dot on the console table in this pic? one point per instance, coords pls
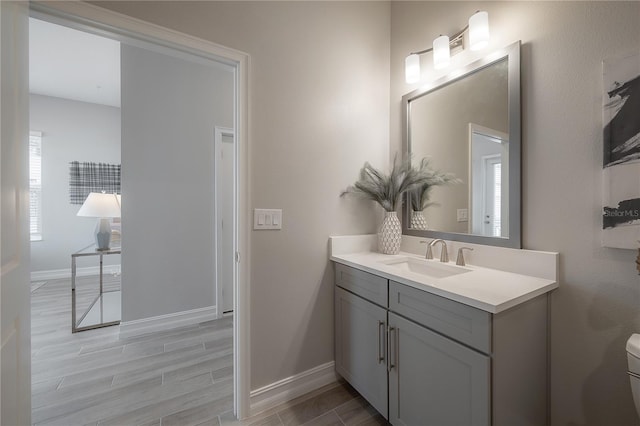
(104, 310)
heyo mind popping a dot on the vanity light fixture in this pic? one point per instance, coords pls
(479, 30)
(478, 39)
(412, 68)
(441, 52)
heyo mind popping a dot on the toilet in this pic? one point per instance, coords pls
(633, 357)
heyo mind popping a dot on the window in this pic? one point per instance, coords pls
(35, 185)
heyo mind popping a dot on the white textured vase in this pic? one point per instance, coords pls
(390, 234)
(418, 221)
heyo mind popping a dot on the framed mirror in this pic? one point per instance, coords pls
(468, 124)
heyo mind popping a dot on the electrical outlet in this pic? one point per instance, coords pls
(463, 215)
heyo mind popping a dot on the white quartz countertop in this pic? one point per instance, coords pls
(488, 289)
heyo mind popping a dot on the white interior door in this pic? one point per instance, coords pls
(224, 200)
(15, 352)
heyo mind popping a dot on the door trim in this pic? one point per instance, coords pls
(94, 19)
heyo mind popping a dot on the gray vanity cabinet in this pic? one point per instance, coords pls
(434, 380)
(360, 351)
(422, 359)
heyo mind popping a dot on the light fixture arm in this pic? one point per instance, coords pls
(454, 40)
(478, 28)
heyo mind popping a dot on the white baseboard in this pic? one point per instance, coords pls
(167, 322)
(292, 387)
(56, 274)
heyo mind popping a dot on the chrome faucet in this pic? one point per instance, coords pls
(444, 256)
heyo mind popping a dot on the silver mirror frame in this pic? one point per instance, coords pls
(512, 53)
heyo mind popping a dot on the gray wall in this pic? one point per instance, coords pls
(170, 107)
(323, 94)
(597, 305)
(319, 108)
(78, 131)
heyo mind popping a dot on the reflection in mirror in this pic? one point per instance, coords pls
(488, 182)
(469, 125)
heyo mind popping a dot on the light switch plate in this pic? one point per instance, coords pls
(463, 215)
(267, 219)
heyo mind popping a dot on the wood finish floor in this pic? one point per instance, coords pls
(177, 377)
(335, 404)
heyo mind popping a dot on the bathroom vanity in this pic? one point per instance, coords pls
(431, 343)
(434, 343)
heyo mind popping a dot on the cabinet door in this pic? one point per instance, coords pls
(434, 380)
(361, 347)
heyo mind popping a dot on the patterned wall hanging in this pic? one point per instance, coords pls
(621, 160)
(92, 177)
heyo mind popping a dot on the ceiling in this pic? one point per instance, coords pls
(72, 64)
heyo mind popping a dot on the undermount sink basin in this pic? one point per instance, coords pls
(429, 268)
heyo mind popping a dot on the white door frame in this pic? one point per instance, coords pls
(219, 133)
(15, 318)
(101, 21)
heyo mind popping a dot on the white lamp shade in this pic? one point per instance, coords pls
(441, 53)
(479, 30)
(412, 68)
(100, 205)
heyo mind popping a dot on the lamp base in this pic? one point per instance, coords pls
(103, 234)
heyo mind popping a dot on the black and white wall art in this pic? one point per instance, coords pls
(621, 152)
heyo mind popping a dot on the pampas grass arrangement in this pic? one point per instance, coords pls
(386, 189)
(419, 194)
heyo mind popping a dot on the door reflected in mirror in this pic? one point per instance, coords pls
(489, 182)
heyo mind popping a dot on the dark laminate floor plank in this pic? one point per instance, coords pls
(314, 407)
(330, 418)
(355, 411)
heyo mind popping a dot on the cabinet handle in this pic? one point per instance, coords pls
(391, 347)
(380, 342)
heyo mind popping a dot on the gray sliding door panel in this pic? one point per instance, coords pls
(171, 103)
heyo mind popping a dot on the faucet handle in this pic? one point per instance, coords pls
(429, 254)
(460, 259)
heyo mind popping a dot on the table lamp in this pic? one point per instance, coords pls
(103, 206)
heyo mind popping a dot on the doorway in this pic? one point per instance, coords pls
(489, 190)
(91, 19)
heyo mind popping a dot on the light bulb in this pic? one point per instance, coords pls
(441, 54)
(479, 30)
(412, 68)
